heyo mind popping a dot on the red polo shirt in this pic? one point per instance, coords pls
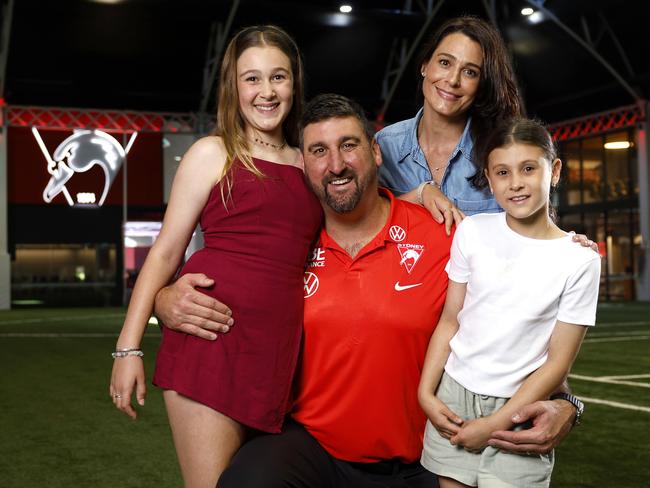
(367, 326)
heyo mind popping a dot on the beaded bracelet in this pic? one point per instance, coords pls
(122, 353)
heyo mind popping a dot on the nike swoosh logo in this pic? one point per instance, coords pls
(399, 287)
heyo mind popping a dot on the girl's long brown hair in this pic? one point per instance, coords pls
(230, 123)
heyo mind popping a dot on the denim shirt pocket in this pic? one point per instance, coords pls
(471, 207)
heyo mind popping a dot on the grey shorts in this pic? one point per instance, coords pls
(491, 468)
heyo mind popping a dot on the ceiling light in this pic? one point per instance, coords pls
(617, 145)
(527, 11)
(345, 9)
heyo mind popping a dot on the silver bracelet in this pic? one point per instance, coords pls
(122, 353)
(421, 189)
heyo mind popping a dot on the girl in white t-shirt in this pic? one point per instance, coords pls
(521, 295)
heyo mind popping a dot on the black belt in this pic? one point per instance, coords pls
(391, 466)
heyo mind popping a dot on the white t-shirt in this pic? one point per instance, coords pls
(517, 288)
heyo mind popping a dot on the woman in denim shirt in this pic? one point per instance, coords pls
(468, 83)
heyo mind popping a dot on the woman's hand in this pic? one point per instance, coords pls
(440, 207)
(128, 373)
(584, 241)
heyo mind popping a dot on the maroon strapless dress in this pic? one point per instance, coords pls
(255, 250)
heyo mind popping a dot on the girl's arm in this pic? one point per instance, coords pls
(563, 348)
(444, 420)
(440, 207)
(198, 172)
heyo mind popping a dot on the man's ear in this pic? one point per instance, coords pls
(376, 151)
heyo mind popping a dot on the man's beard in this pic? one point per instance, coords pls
(347, 202)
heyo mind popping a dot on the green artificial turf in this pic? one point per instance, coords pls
(58, 426)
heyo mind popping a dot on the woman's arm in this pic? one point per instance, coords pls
(440, 207)
(444, 420)
(563, 348)
(197, 174)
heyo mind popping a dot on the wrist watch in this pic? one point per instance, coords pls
(573, 400)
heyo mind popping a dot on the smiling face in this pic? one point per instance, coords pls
(340, 162)
(452, 75)
(520, 176)
(265, 88)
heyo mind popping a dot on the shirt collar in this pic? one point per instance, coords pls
(465, 144)
(384, 235)
(410, 145)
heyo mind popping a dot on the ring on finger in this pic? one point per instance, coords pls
(117, 395)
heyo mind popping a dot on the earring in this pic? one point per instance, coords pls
(423, 73)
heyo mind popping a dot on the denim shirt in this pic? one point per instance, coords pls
(404, 167)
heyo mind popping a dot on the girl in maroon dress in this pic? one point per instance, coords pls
(245, 185)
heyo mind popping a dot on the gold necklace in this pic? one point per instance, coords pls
(277, 147)
(438, 168)
(435, 175)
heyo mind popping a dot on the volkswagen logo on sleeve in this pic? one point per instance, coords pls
(80, 152)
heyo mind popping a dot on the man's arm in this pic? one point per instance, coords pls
(551, 423)
(182, 308)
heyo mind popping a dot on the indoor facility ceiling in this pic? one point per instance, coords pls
(151, 54)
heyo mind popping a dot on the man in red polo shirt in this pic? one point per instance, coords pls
(374, 290)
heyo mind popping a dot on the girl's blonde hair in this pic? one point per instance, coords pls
(230, 123)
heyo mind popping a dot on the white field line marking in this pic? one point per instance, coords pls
(60, 319)
(625, 377)
(616, 404)
(617, 339)
(597, 379)
(614, 334)
(622, 324)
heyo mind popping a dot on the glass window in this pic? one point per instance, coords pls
(620, 247)
(594, 228)
(634, 165)
(572, 174)
(64, 274)
(592, 169)
(617, 157)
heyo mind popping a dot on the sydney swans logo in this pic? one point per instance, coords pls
(77, 154)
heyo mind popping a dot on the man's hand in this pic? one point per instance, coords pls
(182, 308)
(441, 208)
(552, 421)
